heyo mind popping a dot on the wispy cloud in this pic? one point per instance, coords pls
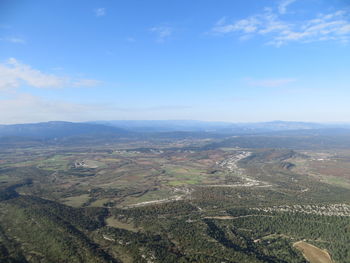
(24, 108)
(270, 83)
(86, 83)
(13, 74)
(261, 24)
(333, 26)
(282, 7)
(130, 39)
(16, 40)
(162, 32)
(100, 11)
(277, 31)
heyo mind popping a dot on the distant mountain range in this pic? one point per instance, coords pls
(59, 130)
(216, 127)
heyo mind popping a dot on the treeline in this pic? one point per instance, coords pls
(49, 232)
(329, 232)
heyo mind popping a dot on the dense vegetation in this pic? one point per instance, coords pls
(166, 202)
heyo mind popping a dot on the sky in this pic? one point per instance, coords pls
(211, 60)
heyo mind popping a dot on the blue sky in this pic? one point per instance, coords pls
(238, 61)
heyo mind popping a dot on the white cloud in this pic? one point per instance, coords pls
(282, 7)
(270, 83)
(13, 74)
(333, 26)
(163, 32)
(100, 12)
(262, 24)
(269, 25)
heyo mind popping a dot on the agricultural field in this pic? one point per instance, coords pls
(173, 202)
(312, 253)
(329, 166)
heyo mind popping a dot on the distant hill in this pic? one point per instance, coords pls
(216, 127)
(69, 133)
(57, 129)
(167, 125)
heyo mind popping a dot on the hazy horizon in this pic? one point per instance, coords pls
(179, 120)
